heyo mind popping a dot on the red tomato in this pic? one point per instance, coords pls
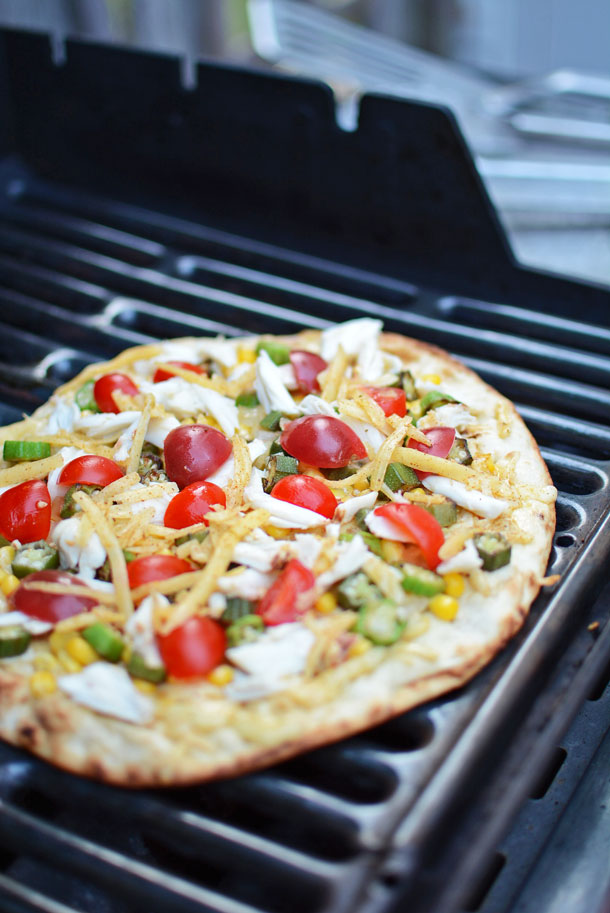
(392, 400)
(107, 384)
(322, 441)
(90, 470)
(160, 374)
(441, 441)
(305, 491)
(281, 601)
(193, 649)
(155, 567)
(49, 606)
(191, 504)
(194, 452)
(414, 524)
(25, 512)
(306, 367)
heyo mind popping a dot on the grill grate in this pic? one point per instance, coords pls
(310, 834)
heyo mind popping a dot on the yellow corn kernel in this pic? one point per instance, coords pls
(432, 379)
(326, 604)
(489, 463)
(8, 583)
(444, 607)
(7, 554)
(245, 355)
(68, 663)
(415, 409)
(144, 686)
(359, 646)
(78, 648)
(221, 675)
(42, 683)
(361, 485)
(58, 640)
(46, 662)
(454, 584)
(275, 531)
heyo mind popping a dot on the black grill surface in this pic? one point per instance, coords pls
(411, 814)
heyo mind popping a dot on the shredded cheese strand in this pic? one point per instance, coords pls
(230, 388)
(36, 469)
(116, 558)
(425, 462)
(62, 589)
(384, 454)
(138, 438)
(334, 375)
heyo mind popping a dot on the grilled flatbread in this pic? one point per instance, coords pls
(406, 541)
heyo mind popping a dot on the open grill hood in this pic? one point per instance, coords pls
(132, 208)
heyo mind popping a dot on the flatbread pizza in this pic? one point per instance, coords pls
(218, 553)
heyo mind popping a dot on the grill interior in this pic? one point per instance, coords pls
(379, 819)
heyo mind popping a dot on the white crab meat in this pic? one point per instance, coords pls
(159, 428)
(184, 399)
(64, 415)
(109, 690)
(141, 631)
(315, 405)
(249, 584)
(465, 561)
(453, 415)
(74, 550)
(106, 424)
(270, 389)
(161, 494)
(383, 528)
(33, 625)
(123, 446)
(349, 558)
(347, 510)
(226, 471)
(475, 501)
(280, 651)
(281, 513)
(67, 454)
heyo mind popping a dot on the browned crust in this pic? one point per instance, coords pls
(47, 726)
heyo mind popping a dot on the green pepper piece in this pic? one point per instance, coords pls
(14, 639)
(360, 517)
(104, 641)
(279, 467)
(138, 668)
(199, 536)
(399, 476)
(276, 448)
(445, 513)
(421, 581)
(493, 549)
(245, 630)
(151, 467)
(277, 352)
(104, 572)
(34, 556)
(373, 543)
(460, 452)
(435, 398)
(341, 472)
(84, 398)
(70, 507)
(407, 382)
(236, 608)
(21, 451)
(249, 400)
(380, 623)
(3, 541)
(271, 421)
(356, 591)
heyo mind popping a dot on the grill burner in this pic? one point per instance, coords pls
(412, 811)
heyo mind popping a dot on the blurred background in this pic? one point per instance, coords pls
(528, 80)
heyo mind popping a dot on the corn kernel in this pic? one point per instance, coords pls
(358, 647)
(489, 463)
(42, 683)
(361, 485)
(7, 554)
(46, 662)
(58, 640)
(246, 356)
(68, 663)
(221, 675)
(444, 607)
(78, 648)
(8, 583)
(144, 686)
(274, 531)
(415, 409)
(454, 584)
(432, 379)
(326, 604)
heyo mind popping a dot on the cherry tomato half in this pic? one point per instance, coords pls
(191, 504)
(322, 441)
(441, 441)
(281, 602)
(305, 491)
(193, 649)
(108, 384)
(90, 470)
(414, 524)
(155, 567)
(51, 607)
(25, 512)
(160, 374)
(194, 452)
(306, 367)
(392, 400)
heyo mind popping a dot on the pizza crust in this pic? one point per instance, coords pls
(198, 734)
